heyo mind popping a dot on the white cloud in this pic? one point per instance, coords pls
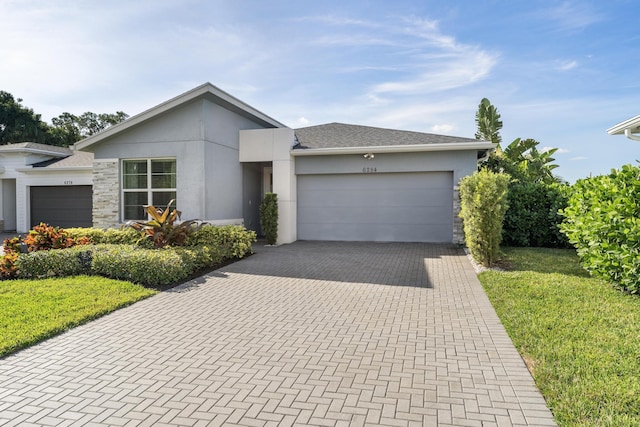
(442, 128)
(571, 15)
(567, 65)
(302, 122)
(461, 70)
(578, 158)
(440, 62)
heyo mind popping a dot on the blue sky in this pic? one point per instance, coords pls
(561, 72)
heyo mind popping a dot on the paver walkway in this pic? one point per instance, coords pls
(310, 333)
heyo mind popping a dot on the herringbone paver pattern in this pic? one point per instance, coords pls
(304, 334)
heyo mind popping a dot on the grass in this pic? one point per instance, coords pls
(579, 336)
(33, 310)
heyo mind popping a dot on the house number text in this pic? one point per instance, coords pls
(68, 183)
(369, 170)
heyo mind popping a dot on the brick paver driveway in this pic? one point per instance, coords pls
(307, 333)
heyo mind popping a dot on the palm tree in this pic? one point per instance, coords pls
(521, 158)
(488, 123)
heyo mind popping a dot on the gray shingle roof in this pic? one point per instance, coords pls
(335, 135)
(78, 158)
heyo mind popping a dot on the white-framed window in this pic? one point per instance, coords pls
(147, 182)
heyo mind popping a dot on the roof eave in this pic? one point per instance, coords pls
(34, 151)
(173, 103)
(455, 146)
(29, 169)
(633, 124)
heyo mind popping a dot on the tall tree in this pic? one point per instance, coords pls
(521, 158)
(68, 128)
(488, 123)
(19, 123)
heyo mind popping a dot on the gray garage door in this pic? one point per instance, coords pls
(384, 207)
(68, 206)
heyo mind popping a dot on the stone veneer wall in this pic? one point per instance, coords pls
(106, 193)
(458, 230)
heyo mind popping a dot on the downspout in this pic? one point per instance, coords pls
(630, 135)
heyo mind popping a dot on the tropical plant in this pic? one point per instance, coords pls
(269, 217)
(488, 123)
(8, 268)
(521, 158)
(42, 237)
(162, 229)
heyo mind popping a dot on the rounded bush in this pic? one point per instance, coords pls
(602, 220)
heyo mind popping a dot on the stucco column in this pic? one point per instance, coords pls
(274, 145)
(284, 185)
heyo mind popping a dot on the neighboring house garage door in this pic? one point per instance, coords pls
(396, 207)
(68, 206)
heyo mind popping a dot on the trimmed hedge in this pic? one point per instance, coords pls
(483, 199)
(208, 247)
(602, 220)
(269, 217)
(146, 266)
(112, 236)
(533, 216)
(58, 262)
(125, 262)
(233, 241)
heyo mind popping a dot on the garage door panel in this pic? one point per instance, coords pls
(376, 207)
(416, 215)
(375, 197)
(62, 206)
(379, 233)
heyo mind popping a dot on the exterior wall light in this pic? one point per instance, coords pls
(369, 156)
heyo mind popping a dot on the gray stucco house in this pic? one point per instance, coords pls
(217, 156)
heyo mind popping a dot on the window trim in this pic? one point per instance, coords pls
(149, 190)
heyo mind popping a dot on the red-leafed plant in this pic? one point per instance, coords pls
(162, 229)
(42, 237)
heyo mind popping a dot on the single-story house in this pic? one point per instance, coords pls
(43, 183)
(218, 156)
(629, 128)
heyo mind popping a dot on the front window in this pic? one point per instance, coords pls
(147, 182)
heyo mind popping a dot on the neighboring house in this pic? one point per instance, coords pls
(43, 183)
(629, 128)
(218, 156)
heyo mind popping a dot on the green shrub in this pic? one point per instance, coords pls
(602, 220)
(153, 267)
(57, 263)
(533, 218)
(232, 241)
(199, 257)
(208, 247)
(112, 236)
(269, 217)
(483, 198)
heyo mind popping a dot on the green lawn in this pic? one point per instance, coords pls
(32, 310)
(579, 336)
